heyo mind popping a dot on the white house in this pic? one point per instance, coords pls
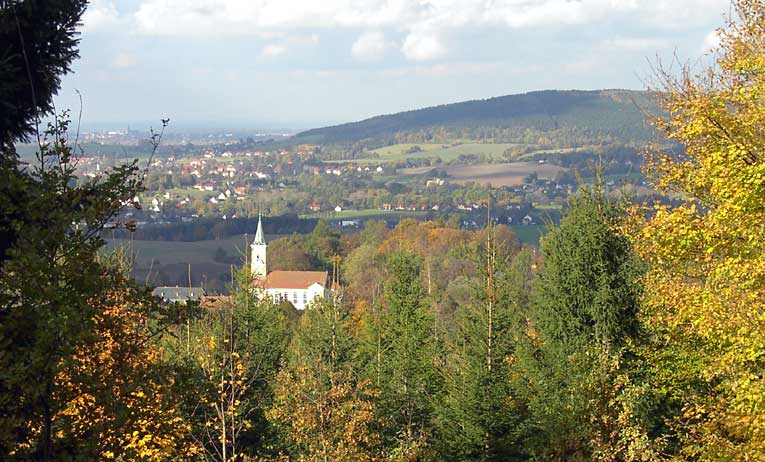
(300, 288)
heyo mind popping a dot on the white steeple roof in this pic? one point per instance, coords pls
(259, 239)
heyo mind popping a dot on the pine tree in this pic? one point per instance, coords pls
(581, 318)
(479, 417)
(402, 359)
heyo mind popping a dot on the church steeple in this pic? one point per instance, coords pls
(259, 233)
(258, 250)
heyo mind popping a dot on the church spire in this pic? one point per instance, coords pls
(259, 252)
(259, 240)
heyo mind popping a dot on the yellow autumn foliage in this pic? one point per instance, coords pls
(705, 290)
(327, 419)
(114, 400)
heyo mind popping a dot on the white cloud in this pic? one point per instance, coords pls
(422, 46)
(426, 24)
(370, 46)
(250, 16)
(100, 14)
(711, 41)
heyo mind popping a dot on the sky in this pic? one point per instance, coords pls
(250, 64)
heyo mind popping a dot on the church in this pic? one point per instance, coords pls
(300, 288)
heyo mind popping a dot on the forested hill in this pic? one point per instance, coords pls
(614, 114)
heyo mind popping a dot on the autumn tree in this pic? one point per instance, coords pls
(231, 355)
(326, 411)
(323, 243)
(706, 283)
(289, 253)
(115, 391)
(49, 280)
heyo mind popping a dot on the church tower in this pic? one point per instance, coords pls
(258, 253)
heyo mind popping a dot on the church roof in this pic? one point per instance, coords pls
(295, 279)
(259, 238)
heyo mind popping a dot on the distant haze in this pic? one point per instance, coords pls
(302, 63)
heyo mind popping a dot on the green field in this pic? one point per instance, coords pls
(446, 152)
(502, 174)
(398, 150)
(530, 234)
(146, 253)
(367, 213)
(170, 262)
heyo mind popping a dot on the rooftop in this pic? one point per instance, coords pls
(295, 279)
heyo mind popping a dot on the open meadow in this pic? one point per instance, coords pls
(446, 152)
(511, 174)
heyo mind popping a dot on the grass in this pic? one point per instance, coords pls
(547, 206)
(529, 234)
(445, 152)
(560, 151)
(500, 174)
(148, 253)
(401, 149)
(366, 213)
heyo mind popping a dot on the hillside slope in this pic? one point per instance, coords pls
(611, 114)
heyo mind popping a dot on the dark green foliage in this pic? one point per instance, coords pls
(322, 336)
(479, 418)
(323, 242)
(568, 114)
(401, 353)
(38, 43)
(289, 253)
(581, 317)
(588, 289)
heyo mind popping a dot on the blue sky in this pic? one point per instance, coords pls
(304, 63)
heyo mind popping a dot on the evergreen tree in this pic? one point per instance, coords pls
(38, 42)
(479, 417)
(231, 356)
(402, 357)
(581, 318)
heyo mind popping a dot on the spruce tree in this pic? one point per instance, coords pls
(403, 353)
(479, 418)
(581, 317)
(231, 355)
(38, 42)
